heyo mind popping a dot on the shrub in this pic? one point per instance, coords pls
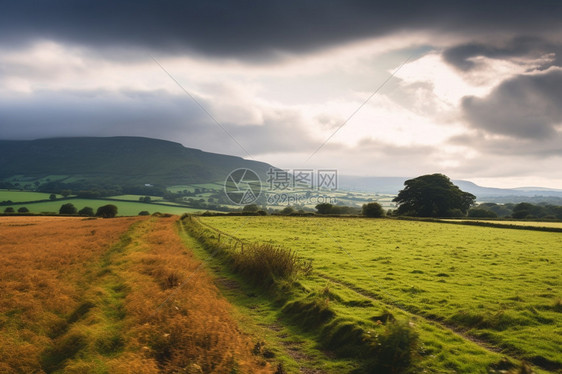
(373, 210)
(144, 213)
(9, 210)
(287, 210)
(67, 208)
(86, 211)
(481, 213)
(107, 211)
(264, 263)
(397, 347)
(23, 210)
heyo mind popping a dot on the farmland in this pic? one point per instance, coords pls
(500, 289)
(382, 295)
(128, 205)
(97, 296)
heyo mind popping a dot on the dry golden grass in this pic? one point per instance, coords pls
(122, 296)
(43, 262)
(175, 313)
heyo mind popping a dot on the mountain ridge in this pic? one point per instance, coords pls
(118, 160)
(129, 160)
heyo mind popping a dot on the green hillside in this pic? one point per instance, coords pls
(116, 161)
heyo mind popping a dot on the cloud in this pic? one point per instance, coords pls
(544, 53)
(527, 106)
(156, 114)
(248, 29)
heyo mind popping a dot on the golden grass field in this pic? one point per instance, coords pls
(119, 295)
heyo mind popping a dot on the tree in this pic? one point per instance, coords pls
(144, 213)
(324, 208)
(9, 210)
(67, 208)
(52, 197)
(86, 211)
(373, 209)
(251, 208)
(65, 193)
(107, 211)
(23, 210)
(288, 210)
(433, 195)
(481, 213)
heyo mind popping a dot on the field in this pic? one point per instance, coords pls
(557, 225)
(111, 296)
(23, 196)
(127, 205)
(475, 292)
(134, 294)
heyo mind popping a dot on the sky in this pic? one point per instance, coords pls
(470, 89)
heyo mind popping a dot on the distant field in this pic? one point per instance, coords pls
(134, 197)
(517, 223)
(502, 286)
(125, 208)
(219, 186)
(17, 196)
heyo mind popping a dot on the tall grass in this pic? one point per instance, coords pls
(260, 263)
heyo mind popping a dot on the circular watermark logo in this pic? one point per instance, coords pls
(242, 186)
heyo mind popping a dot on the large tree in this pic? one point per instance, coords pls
(433, 195)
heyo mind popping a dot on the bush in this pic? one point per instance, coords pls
(251, 208)
(288, 210)
(23, 210)
(397, 346)
(373, 210)
(481, 213)
(9, 210)
(86, 211)
(264, 263)
(324, 208)
(107, 211)
(67, 208)
(144, 213)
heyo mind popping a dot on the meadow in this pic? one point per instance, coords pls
(475, 293)
(127, 205)
(115, 295)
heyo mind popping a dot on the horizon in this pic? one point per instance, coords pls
(470, 90)
(341, 175)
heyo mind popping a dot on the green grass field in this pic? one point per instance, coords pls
(135, 197)
(125, 208)
(19, 196)
(557, 225)
(500, 288)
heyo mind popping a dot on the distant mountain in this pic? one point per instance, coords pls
(391, 185)
(118, 160)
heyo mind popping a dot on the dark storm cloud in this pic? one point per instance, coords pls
(259, 28)
(154, 114)
(527, 106)
(529, 47)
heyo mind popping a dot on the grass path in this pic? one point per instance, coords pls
(259, 316)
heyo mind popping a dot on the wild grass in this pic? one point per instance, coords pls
(261, 263)
(44, 260)
(117, 296)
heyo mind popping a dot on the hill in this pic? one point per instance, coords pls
(117, 160)
(391, 185)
